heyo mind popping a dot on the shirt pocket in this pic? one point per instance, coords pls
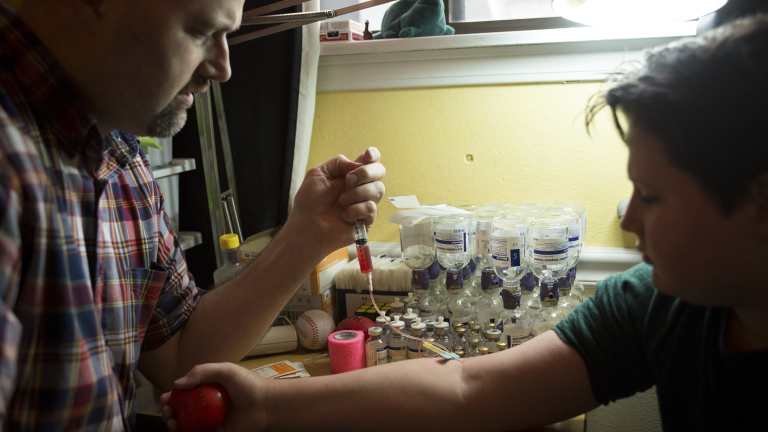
(146, 285)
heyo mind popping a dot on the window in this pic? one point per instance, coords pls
(473, 16)
(484, 16)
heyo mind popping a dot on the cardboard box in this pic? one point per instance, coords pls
(350, 302)
(321, 278)
(316, 291)
(344, 30)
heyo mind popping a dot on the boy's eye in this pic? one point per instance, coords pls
(647, 199)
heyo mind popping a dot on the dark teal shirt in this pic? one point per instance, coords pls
(632, 337)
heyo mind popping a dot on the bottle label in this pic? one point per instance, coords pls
(515, 340)
(396, 354)
(574, 235)
(505, 252)
(483, 238)
(382, 356)
(414, 353)
(451, 240)
(550, 252)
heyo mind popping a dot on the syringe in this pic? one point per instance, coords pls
(363, 252)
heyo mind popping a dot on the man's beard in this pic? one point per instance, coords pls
(169, 121)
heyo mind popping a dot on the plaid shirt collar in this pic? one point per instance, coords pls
(53, 98)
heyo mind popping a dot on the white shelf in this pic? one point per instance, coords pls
(532, 56)
(174, 167)
(189, 239)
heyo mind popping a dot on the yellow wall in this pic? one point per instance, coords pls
(528, 144)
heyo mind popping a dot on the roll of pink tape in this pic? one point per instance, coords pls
(346, 348)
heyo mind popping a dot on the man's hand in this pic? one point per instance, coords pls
(247, 407)
(336, 194)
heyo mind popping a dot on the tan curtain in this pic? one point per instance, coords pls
(310, 56)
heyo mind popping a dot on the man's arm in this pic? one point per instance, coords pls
(227, 321)
(540, 382)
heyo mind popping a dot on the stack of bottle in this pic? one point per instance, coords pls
(465, 319)
(487, 279)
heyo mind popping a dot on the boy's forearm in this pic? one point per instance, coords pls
(428, 391)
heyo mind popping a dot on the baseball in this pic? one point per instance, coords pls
(313, 328)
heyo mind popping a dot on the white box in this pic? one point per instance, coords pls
(344, 30)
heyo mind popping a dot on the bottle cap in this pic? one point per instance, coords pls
(441, 325)
(229, 241)
(375, 331)
(397, 305)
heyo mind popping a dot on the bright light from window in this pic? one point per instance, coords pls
(633, 12)
(492, 10)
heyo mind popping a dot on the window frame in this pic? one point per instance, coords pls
(495, 26)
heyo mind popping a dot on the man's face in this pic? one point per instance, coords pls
(698, 253)
(164, 52)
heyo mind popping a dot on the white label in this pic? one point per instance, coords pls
(505, 252)
(515, 340)
(550, 251)
(412, 354)
(483, 238)
(382, 356)
(451, 240)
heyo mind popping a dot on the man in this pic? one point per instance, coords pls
(92, 282)
(694, 324)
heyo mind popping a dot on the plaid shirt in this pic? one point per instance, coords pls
(91, 273)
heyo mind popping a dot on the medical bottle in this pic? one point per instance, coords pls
(414, 345)
(397, 346)
(230, 247)
(376, 351)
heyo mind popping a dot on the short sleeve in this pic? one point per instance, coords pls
(607, 331)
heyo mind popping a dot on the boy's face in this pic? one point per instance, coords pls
(698, 253)
(157, 55)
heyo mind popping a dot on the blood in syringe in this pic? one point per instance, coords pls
(364, 256)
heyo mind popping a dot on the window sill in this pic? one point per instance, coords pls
(556, 55)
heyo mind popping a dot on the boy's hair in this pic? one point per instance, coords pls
(706, 100)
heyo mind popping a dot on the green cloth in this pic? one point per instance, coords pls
(632, 337)
(412, 18)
